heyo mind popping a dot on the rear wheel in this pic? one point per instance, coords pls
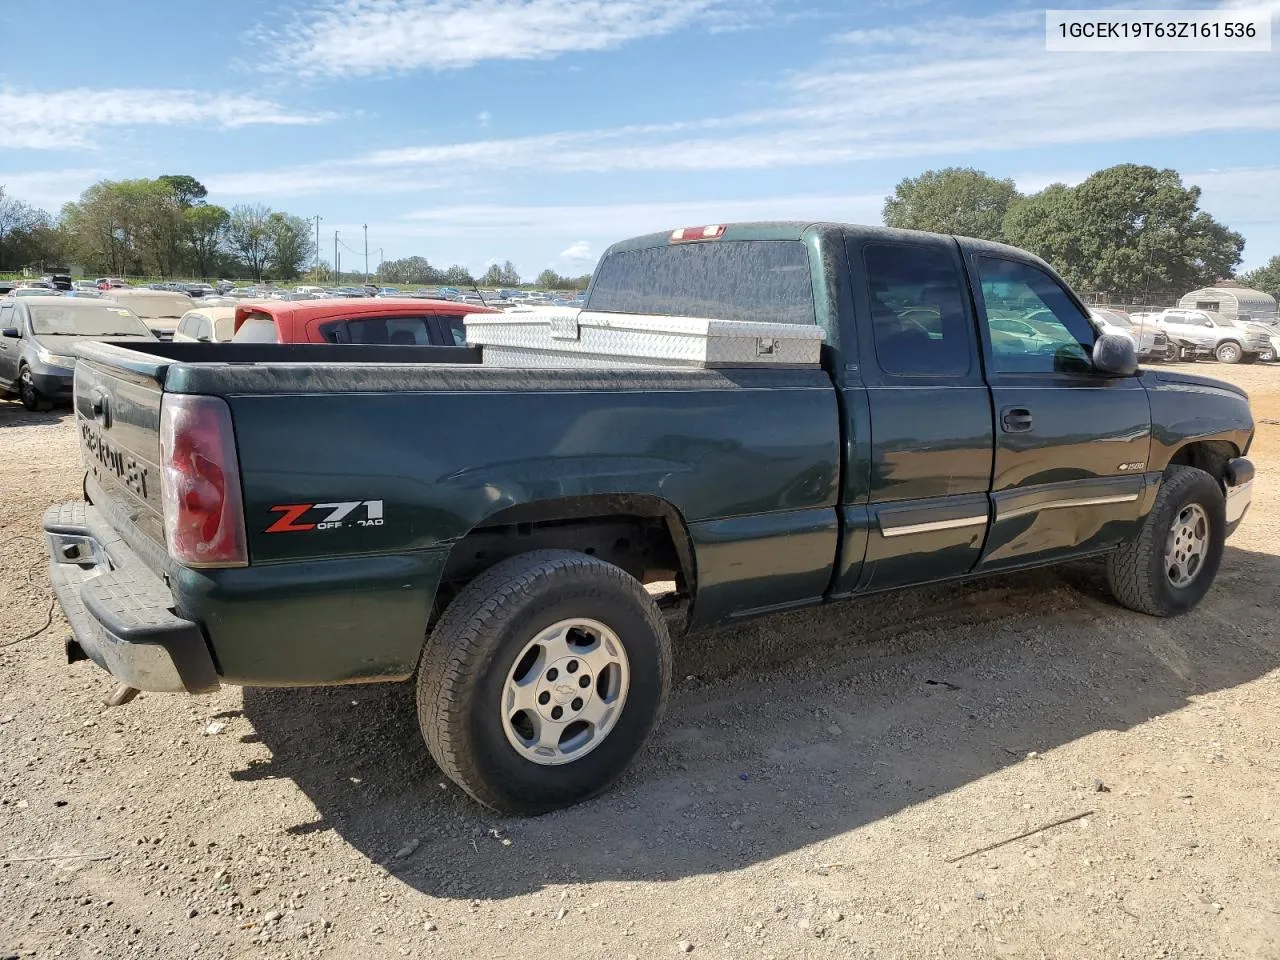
(1169, 565)
(32, 398)
(1228, 352)
(543, 680)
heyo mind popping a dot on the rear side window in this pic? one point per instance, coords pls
(765, 281)
(397, 331)
(257, 328)
(917, 311)
(453, 326)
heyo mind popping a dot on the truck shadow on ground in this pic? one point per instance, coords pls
(787, 731)
(14, 414)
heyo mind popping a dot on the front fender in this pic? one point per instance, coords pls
(1187, 409)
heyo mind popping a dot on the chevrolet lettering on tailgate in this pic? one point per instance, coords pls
(126, 468)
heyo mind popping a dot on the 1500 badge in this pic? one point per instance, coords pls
(298, 517)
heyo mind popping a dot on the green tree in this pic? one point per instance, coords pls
(493, 276)
(408, 270)
(1128, 231)
(206, 230)
(955, 200)
(19, 224)
(187, 189)
(1266, 279)
(249, 237)
(292, 246)
(456, 276)
(159, 229)
(103, 226)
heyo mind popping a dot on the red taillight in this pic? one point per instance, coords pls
(686, 234)
(200, 483)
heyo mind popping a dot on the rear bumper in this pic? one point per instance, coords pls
(119, 610)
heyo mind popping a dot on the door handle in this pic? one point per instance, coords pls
(1015, 420)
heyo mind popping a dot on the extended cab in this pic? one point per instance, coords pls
(346, 515)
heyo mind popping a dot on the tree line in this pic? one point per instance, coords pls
(166, 227)
(419, 271)
(163, 227)
(1129, 233)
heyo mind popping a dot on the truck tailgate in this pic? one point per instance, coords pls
(117, 410)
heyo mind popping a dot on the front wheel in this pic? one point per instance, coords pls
(1228, 352)
(543, 680)
(1168, 566)
(32, 398)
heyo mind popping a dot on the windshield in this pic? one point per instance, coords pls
(1115, 319)
(159, 306)
(84, 319)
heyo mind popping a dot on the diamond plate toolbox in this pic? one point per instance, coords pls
(574, 338)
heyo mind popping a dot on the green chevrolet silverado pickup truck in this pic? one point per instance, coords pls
(264, 515)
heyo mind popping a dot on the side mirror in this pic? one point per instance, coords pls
(10, 332)
(202, 340)
(1114, 354)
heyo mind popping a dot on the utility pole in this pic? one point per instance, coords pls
(317, 219)
(337, 262)
(366, 253)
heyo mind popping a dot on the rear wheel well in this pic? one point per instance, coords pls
(1211, 456)
(645, 536)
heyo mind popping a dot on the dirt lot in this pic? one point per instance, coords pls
(814, 776)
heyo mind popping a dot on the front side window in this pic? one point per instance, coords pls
(917, 310)
(455, 328)
(1034, 325)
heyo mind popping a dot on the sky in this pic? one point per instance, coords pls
(540, 131)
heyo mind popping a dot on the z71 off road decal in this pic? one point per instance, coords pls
(299, 517)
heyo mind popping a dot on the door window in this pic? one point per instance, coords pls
(454, 328)
(1033, 324)
(917, 310)
(6, 315)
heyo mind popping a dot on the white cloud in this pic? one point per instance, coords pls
(616, 220)
(50, 189)
(380, 37)
(578, 252)
(75, 118)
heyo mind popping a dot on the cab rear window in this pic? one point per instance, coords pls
(765, 281)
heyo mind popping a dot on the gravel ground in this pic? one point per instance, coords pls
(815, 780)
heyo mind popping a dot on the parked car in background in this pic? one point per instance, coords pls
(206, 325)
(1202, 333)
(87, 285)
(7, 287)
(37, 340)
(403, 322)
(160, 310)
(35, 291)
(1149, 341)
(110, 283)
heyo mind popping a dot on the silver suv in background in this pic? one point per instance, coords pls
(1202, 333)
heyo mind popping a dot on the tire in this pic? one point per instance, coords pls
(32, 399)
(1139, 571)
(480, 644)
(1228, 352)
(1172, 353)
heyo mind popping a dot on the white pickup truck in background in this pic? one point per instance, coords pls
(1203, 333)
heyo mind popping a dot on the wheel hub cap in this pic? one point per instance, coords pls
(1186, 546)
(565, 691)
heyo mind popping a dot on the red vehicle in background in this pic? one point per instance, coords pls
(398, 322)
